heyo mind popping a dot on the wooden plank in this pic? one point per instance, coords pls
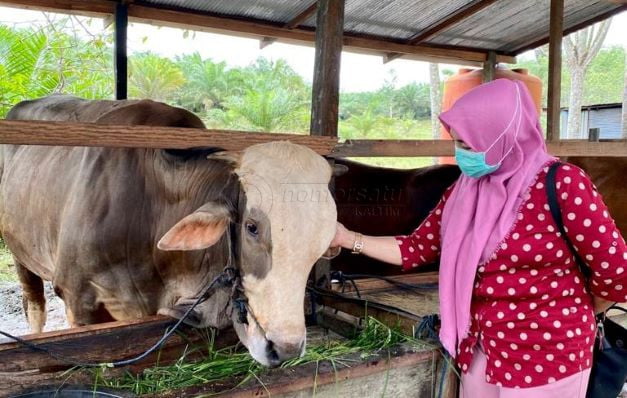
(451, 19)
(259, 30)
(96, 8)
(105, 342)
(74, 134)
(20, 132)
(20, 367)
(119, 52)
(413, 148)
(555, 70)
(544, 40)
(350, 377)
(489, 67)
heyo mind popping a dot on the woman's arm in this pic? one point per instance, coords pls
(382, 248)
(595, 236)
(408, 251)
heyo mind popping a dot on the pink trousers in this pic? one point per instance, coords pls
(473, 384)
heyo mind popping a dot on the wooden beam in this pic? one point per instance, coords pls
(22, 367)
(451, 19)
(555, 70)
(19, 132)
(119, 51)
(325, 91)
(73, 134)
(303, 16)
(293, 23)
(259, 30)
(601, 17)
(265, 42)
(414, 148)
(99, 8)
(326, 79)
(489, 67)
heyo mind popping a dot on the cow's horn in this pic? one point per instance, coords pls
(339, 169)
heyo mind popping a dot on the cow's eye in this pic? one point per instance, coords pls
(252, 228)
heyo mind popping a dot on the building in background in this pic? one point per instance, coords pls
(606, 117)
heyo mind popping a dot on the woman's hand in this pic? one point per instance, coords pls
(382, 248)
(343, 237)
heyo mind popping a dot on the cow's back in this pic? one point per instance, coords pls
(65, 211)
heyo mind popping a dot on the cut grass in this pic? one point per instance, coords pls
(229, 363)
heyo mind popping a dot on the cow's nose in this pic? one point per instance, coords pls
(279, 353)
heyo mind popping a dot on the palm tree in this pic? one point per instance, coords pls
(274, 98)
(21, 55)
(154, 77)
(208, 83)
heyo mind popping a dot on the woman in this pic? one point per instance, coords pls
(516, 311)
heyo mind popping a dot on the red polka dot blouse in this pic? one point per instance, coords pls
(531, 309)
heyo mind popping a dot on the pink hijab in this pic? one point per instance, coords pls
(498, 117)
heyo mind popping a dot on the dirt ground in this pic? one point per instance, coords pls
(12, 318)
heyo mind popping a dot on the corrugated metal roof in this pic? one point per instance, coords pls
(276, 11)
(398, 19)
(506, 25)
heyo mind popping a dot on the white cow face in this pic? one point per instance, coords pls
(287, 222)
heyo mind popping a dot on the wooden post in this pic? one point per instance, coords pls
(555, 70)
(489, 67)
(326, 83)
(326, 80)
(121, 60)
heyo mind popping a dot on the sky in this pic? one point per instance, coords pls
(358, 72)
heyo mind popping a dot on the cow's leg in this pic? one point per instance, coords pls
(33, 299)
(83, 309)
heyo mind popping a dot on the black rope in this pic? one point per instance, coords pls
(225, 278)
(342, 278)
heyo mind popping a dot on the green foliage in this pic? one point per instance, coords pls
(208, 84)
(273, 98)
(21, 74)
(39, 62)
(154, 77)
(604, 78)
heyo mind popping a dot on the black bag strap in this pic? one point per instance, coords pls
(551, 193)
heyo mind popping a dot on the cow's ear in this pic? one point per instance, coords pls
(200, 230)
(232, 157)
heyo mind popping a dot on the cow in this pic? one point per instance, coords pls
(126, 233)
(387, 201)
(608, 174)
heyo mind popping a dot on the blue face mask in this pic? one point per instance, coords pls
(473, 164)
